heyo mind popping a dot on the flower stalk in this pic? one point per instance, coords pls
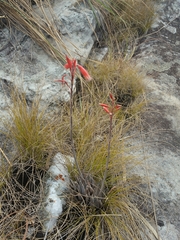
(72, 72)
(110, 109)
(73, 66)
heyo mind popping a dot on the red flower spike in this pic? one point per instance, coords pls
(112, 97)
(117, 107)
(63, 81)
(66, 66)
(112, 108)
(103, 105)
(74, 63)
(69, 63)
(106, 109)
(84, 73)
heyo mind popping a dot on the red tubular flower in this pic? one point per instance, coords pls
(72, 65)
(106, 109)
(66, 66)
(103, 105)
(110, 109)
(69, 63)
(84, 73)
(117, 107)
(112, 97)
(63, 81)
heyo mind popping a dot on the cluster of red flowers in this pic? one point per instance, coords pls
(110, 109)
(72, 66)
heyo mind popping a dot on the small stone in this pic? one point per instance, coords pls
(160, 223)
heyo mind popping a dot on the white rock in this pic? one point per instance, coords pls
(56, 186)
(169, 232)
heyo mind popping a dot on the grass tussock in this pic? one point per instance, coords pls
(118, 75)
(136, 15)
(125, 21)
(91, 141)
(117, 218)
(19, 200)
(123, 79)
(32, 130)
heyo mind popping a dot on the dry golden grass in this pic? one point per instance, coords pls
(32, 130)
(116, 218)
(20, 197)
(136, 15)
(125, 21)
(121, 78)
(36, 25)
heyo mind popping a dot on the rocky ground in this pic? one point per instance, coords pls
(159, 58)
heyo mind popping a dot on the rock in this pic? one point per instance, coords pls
(159, 57)
(75, 23)
(4, 102)
(56, 185)
(98, 54)
(169, 232)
